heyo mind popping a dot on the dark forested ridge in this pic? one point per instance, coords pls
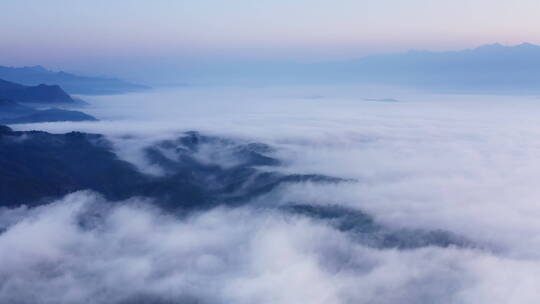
(40, 94)
(15, 113)
(35, 165)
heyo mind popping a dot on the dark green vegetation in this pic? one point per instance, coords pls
(198, 172)
(36, 165)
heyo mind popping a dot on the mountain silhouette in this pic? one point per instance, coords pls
(72, 83)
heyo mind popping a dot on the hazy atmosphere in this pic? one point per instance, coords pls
(170, 41)
(269, 152)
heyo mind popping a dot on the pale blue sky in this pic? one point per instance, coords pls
(105, 35)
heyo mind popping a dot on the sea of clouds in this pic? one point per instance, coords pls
(464, 164)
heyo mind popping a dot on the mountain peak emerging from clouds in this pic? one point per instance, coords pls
(499, 46)
(488, 68)
(40, 94)
(492, 68)
(486, 47)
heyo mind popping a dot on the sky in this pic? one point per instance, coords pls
(122, 36)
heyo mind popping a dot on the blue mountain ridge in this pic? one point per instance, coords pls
(72, 83)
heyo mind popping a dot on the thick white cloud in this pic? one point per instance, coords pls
(466, 164)
(130, 251)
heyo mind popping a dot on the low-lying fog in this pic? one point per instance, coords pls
(466, 164)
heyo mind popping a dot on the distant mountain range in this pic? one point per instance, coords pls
(72, 83)
(489, 68)
(33, 94)
(17, 104)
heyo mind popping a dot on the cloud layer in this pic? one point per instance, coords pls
(81, 249)
(464, 164)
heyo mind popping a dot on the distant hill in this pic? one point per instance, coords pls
(72, 83)
(14, 113)
(41, 94)
(489, 67)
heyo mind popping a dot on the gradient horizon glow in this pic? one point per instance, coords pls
(119, 36)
